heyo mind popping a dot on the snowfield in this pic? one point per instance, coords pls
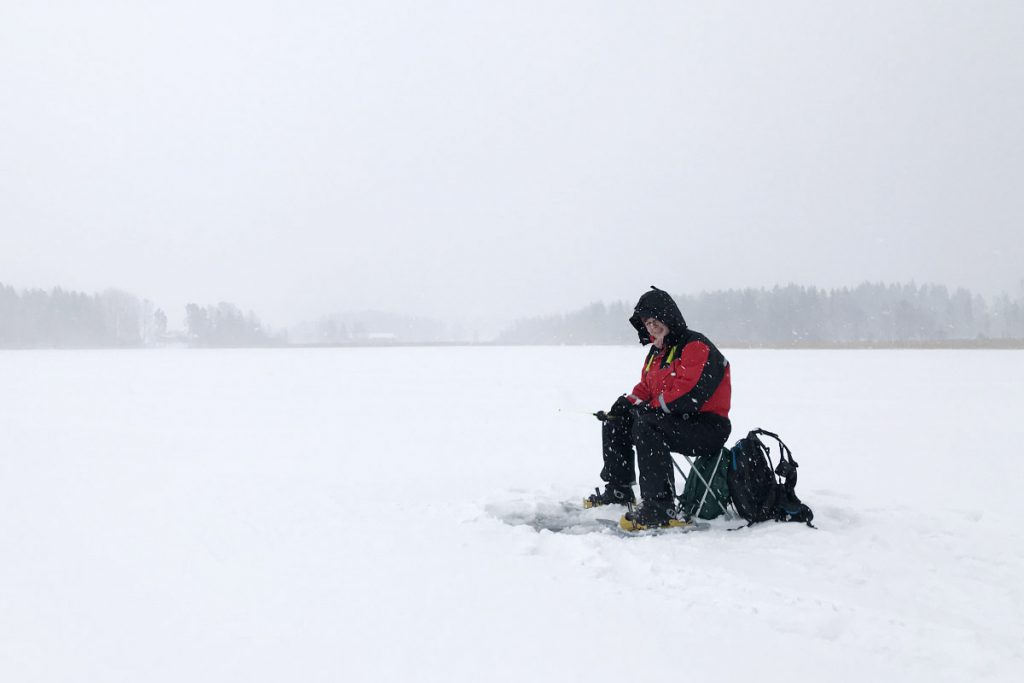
(377, 515)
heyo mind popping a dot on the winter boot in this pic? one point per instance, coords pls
(613, 495)
(652, 514)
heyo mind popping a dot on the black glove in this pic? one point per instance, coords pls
(619, 410)
(621, 407)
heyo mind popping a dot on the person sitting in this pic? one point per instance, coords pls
(681, 404)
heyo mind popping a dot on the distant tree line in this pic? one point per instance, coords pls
(225, 325)
(866, 315)
(869, 314)
(58, 318)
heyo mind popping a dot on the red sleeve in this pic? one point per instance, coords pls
(640, 394)
(685, 372)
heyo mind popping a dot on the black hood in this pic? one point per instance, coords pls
(659, 305)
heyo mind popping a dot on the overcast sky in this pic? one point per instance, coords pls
(488, 160)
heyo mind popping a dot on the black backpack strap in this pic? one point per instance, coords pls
(760, 445)
(783, 448)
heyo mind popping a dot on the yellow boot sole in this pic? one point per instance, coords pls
(630, 525)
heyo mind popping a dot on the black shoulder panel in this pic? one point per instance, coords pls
(710, 377)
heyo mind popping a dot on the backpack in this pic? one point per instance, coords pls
(697, 500)
(759, 491)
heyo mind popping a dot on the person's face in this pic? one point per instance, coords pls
(657, 330)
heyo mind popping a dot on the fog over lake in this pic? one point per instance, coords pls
(480, 162)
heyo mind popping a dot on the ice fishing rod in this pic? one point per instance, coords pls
(600, 415)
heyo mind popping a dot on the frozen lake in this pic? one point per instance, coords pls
(356, 514)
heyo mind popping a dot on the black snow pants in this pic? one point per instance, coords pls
(654, 436)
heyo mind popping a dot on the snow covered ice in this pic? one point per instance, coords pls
(385, 514)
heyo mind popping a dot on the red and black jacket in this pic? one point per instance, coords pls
(688, 375)
(685, 378)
